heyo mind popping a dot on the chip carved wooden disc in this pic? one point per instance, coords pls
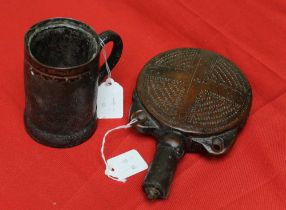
(194, 91)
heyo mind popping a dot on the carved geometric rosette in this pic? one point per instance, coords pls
(194, 90)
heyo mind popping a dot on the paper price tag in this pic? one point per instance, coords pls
(110, 100)
(125, 165)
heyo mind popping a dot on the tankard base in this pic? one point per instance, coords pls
(58, 140)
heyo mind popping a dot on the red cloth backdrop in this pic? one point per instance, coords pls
(252, 33)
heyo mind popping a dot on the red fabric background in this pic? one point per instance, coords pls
(252, 33)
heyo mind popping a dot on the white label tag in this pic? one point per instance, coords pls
(110, 100)
(125, 165)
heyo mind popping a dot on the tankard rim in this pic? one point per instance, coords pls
(54, 23)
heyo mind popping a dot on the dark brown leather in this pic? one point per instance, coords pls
(193, 97)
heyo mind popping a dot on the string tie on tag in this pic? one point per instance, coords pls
(107, 167)
(108, 81)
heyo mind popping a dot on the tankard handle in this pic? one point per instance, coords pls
(110, 36)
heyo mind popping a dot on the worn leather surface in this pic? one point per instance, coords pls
(251, 33)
